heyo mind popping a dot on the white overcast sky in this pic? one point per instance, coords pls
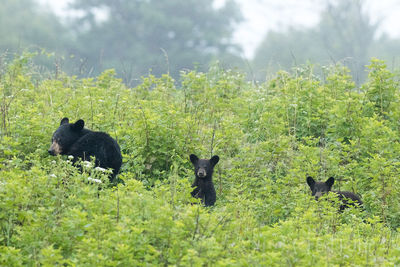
(264, 15)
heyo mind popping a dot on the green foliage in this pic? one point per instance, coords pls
(269, 137)
(381, 87)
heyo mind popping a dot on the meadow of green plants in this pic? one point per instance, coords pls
(269, 138)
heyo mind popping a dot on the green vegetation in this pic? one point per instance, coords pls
(268, 136)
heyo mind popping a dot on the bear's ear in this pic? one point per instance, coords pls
(310, 182)
(194, 159)
(330, 182)
(63, 121)
(214, 160)
(79, 125)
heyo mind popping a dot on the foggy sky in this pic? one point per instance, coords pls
(264, 15)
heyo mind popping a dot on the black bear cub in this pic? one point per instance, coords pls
(73, 139)
(204, 187)
(320, 188)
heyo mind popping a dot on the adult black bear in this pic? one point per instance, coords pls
(204, 187)
(320, 188)
(73, 139)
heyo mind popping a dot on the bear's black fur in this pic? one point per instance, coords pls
(204, 187)
(320, 188)
(73, 139)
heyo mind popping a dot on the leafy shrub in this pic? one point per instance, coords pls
(269, 138)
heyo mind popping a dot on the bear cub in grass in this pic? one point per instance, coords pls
(320, 188)
(204, 187)
(73, 139)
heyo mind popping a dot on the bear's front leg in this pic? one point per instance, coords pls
(210, 196)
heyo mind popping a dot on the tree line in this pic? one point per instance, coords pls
(141, 37)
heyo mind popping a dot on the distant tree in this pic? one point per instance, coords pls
(387, 49)
(347, 33)
(24, 25)
(283, 50)
(164, 36)
(344, 34)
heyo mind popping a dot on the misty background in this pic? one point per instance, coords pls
(141, 37)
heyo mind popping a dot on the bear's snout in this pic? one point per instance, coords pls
(54, 149)
(201, 173)
(318, 195)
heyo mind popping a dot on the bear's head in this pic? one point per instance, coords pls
(66, 135)
(320, 188)
(203, 168)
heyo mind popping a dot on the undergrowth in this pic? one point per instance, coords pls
(269, 138)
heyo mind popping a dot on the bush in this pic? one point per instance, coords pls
(269, 138)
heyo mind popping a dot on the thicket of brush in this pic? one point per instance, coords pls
(269, 138)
